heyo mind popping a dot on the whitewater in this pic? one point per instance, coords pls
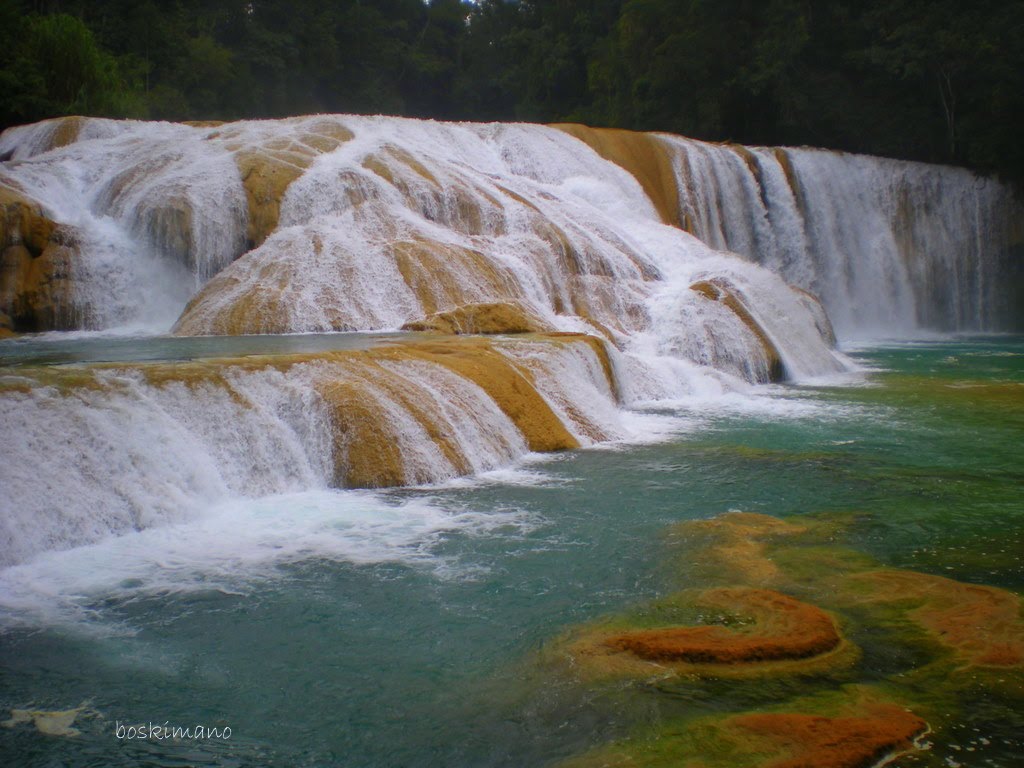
(327, 224)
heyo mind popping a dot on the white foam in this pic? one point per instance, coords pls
(892, 248)
(229, 546)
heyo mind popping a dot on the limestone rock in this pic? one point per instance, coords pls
(720, 290)
(36, 266)
(493, 318)
(22, 221)
(644, 156)
(269, 167)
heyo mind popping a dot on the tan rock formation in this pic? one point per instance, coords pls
(644, 156)
(498, 317)
(36, 266)
(720, 290)
(372, 396)
(270, 166)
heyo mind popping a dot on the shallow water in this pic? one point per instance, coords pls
(404, 627)
(61, 348)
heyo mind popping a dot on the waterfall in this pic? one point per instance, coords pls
(104, 450)
(412, 217)
(618, 252)
(890, 247)
(151, 211)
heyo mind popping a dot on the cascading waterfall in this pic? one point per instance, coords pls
(341, 223)
(890, 247)
(147, 445)
(151, 211)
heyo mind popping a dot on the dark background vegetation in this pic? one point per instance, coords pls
(935, 80)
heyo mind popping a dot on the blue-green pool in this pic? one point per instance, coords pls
(405, 628)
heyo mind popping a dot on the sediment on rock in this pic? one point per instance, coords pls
(37, 262)
(642, 155)
(852, 727)
(793, 740)
(493, 318)
(782, 628)
(981, 625)
(721, 291)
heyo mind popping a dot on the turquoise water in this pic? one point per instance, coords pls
(91, 347)
(425, 649)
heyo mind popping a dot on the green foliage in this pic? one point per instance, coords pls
(937, 80)
(52, 65)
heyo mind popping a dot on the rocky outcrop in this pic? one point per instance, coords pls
(265, 293)
(367, 436)
(497, 317)
(641, 154)
(23, 221)
(268, 166)
(395, 413)
(37, 262)
(721, 291)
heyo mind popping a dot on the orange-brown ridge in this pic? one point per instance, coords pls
(783, 629)
(812, 741)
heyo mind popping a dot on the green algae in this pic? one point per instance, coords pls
(930, 644)
(718, 742)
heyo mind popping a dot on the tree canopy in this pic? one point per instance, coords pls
(935, 80)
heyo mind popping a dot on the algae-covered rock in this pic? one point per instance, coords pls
(780, 628)
(832, 620)
(862, 739)
(853, 727)
(721, 632)
(981, 625)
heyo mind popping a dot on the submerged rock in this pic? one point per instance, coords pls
(855, 727)
(780, 628)
(722, 632)
(949, 640)
(50, 722)
(981, 625)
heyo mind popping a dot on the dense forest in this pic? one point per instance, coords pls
(936, 80)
